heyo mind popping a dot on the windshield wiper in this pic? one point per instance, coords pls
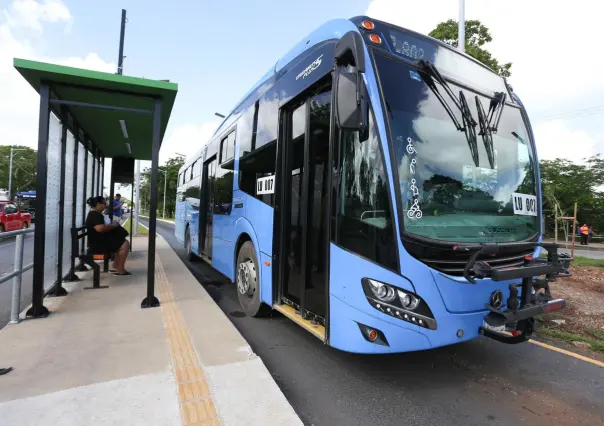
(429, 74)
(489, 123)
(497, 101)
(485, 132)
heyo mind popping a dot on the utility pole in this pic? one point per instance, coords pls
(10, 172)
(165, 172)
(461, 30)
(120, 70)
(120, 58)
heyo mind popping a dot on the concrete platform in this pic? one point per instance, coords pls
(99, 359)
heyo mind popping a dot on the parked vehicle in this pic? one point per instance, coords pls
(12, 219)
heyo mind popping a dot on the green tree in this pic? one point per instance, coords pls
(171, 167)
(564, 183)
(477, 35)
(24, 168)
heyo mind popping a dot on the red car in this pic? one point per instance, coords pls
(11, 218)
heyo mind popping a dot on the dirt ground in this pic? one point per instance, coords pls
(584, 312)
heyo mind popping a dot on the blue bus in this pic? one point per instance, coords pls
(380, 189)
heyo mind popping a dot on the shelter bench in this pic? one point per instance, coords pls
(89, 258)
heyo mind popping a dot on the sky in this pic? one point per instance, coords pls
(216, 51)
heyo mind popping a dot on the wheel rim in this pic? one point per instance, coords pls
(247, 278)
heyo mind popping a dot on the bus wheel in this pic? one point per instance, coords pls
(190, 255)
(248, 282)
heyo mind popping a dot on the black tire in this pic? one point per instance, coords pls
(25, 225)
(190, 255)
(1, 228)
(247, 280)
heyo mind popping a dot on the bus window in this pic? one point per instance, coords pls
(227, 148)
(197, 168)
(364, 220)
(261, 160)
(223, 183)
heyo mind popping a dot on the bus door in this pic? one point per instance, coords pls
(305, 198)
(206, 208)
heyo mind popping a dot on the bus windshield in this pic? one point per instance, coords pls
(449, 191)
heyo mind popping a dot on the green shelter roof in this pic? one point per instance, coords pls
(103, 125)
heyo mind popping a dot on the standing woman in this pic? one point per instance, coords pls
(103, 238)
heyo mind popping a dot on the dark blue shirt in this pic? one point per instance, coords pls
(117, 212)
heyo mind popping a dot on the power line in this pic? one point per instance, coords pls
(575, 114)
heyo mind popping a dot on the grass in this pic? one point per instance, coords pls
(596, 342)
(586, 261)
(141, 229)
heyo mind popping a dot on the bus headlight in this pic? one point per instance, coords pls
(398, 303)
(382, 291)
(408, 300)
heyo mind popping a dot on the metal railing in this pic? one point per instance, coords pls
(17, 272)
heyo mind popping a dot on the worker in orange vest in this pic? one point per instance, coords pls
(584, 234)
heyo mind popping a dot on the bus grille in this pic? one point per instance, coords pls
(454, 265)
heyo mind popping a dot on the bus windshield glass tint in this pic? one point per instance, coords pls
(446, 194)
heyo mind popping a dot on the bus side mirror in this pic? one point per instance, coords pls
(351, 101)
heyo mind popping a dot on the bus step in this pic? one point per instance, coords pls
(316, 329)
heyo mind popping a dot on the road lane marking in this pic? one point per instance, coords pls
(569, 353)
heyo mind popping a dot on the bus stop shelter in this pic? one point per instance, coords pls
(85, 117)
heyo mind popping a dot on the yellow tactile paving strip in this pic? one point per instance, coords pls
(196, 406)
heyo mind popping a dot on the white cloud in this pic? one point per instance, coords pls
(187, 139)
(562, 142)
(553, 48)
(20, 28)
(30, 14)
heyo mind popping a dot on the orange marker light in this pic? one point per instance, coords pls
(374, 38)
(372, 335)
(267, 263)
(368, 25)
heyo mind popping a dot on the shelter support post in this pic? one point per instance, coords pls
(93, 177)
(103, 179)
(71, 276)
(38, 310)
(99, 190)
(58, 289)
(110, 201)
(152, 301)
(82, 266)
(131, 214)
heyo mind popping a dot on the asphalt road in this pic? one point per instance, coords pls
(7, 261)
(481, 382)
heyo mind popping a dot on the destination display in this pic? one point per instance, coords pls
(447, 61)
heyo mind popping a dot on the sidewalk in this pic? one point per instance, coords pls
(578, 246)
(99, 359)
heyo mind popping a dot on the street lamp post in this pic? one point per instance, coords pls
(461, 29)
(10, 170)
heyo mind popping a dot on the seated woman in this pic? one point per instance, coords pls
(104, 237)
